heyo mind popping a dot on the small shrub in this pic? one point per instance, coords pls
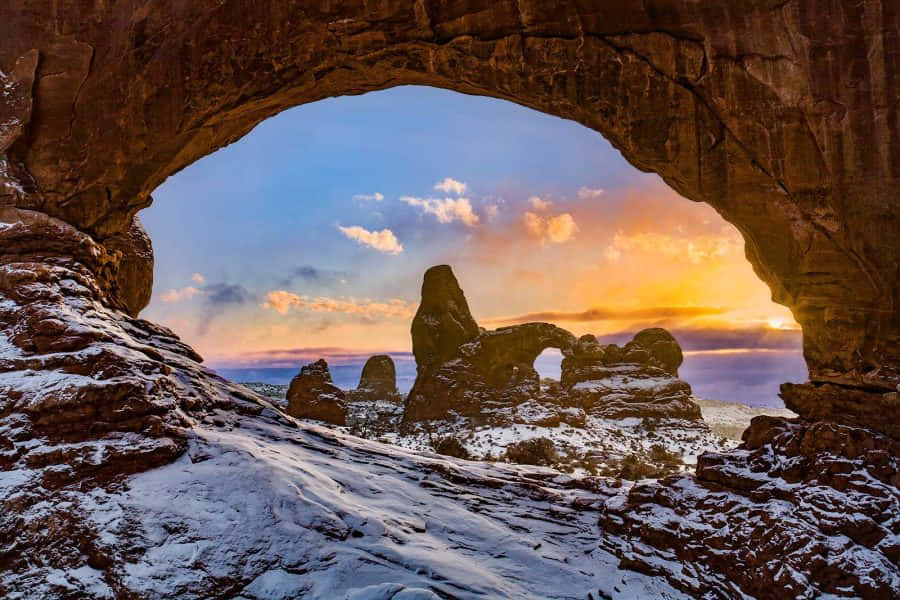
(451, 446)
(634, 468)
(660, 454)
(536, 451)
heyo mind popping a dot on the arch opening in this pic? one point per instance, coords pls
(663, 98)
(636, 254)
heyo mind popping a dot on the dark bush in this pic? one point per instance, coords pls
(451, 446)
(536, 451)
(634, 468)
(659, 454)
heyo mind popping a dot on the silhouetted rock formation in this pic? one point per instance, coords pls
(495, 369)
(461, 368)
(378, 381)
(313, 395)
(638, 380)
(443, 322)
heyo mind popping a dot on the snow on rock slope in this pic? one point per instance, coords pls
(260, 508)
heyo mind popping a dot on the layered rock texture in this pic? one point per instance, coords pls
(783, 115)
(313, 395)
(491, 371)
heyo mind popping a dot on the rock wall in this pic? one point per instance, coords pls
(782, 115)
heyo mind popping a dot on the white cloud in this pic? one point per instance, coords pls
(383, 241)
(558, 229)
(450, 185)
(376, 197)
(197, 277)
(446, 210)
(538, 204)
(282, 301)
(587, 193)
(178, 295)
(491, 211)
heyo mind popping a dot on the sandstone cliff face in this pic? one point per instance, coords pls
(781, 115)
(313, 395)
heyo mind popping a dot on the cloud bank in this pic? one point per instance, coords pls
(282, 301)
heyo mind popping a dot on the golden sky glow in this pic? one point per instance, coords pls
(601, 262)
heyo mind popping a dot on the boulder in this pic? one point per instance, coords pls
(313, 395)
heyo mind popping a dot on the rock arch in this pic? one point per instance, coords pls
(783, 115)
(756, 117)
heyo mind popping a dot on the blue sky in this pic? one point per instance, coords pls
(536, 215)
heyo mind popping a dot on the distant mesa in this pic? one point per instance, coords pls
(313, 395)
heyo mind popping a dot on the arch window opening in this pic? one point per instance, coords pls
(548, 364)
(308, 239)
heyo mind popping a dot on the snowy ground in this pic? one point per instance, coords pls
(730, 419)
(314, 513)
(598, 446)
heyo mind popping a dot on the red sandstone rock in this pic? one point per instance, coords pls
(781, 115)
(313, 395)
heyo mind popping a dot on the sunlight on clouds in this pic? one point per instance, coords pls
(561, 228)
(447, 210)
(538, 204)
(282, 301)
(558, 229)
(451, 186)
(695, 249)
(197, 277)
(383, 241)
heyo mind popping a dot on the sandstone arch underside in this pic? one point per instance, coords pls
(782, 115)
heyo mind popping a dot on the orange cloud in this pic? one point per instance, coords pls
(558, 229)
(282, 301)
(612, 314)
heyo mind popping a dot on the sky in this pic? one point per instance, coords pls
(309, 237)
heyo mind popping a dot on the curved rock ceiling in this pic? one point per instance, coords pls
(783, 115)
(750, 109)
